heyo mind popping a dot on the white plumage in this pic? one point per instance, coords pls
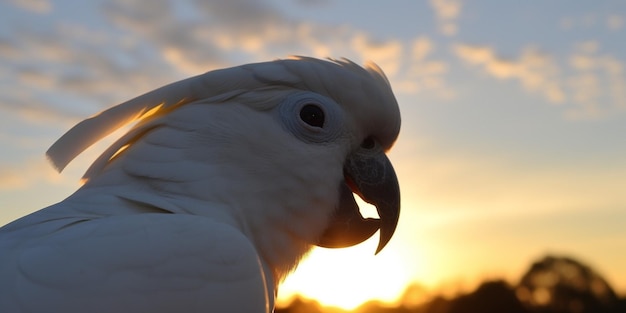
(225, 182)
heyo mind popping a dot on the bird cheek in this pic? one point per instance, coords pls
(347, 227)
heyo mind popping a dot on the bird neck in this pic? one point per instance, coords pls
(282, 224)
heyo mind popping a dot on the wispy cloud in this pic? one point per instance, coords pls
(615, 22)
(23, 175)
(610, 21)
(386, 53)
(184, 44)
(169, 40)
(425, 71)
(536, 72)
(59, 74)
(65, 69)
(219, 30)
(36, 6)
(258, 31)
(588, 85)
(447, 12)
(597, 84)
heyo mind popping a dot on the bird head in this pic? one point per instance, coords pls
(360, 103)
(320, 127)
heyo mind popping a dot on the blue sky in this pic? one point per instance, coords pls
(514, 114)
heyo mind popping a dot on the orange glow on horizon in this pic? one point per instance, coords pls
(346, 278)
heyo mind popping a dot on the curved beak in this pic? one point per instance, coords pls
(369, 174)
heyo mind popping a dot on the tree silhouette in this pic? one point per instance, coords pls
(564, 285)
(551, 285)
(490, 297)
(300, 305)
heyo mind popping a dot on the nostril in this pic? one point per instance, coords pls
(368, 143)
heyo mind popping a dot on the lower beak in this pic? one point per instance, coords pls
(369, 174)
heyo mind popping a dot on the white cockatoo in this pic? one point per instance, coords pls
(225, 182)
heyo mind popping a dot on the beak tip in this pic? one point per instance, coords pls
(378, 250)
(382, 243)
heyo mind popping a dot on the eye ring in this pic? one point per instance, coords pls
(325, 127)
(312, 115)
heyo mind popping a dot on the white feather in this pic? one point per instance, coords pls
(208, 202)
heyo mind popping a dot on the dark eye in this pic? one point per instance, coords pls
(312, 115)
(368, 143)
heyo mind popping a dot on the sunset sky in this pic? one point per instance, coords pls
(513, 143)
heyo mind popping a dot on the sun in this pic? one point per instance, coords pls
(346, 278)
(349, 277)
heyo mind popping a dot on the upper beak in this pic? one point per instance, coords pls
(368, 173)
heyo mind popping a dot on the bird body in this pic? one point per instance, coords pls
(226, 181)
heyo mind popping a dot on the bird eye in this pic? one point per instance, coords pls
(368, 143)
(312, 115)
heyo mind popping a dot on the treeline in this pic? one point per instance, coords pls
(551, 285)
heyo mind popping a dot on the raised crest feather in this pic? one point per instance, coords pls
(89, 131)
(227, 81)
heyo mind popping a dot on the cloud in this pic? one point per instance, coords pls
(34, 110)
(67, 70)
(537, 72)
(36, 6)
(258, 31)
(22, 176)
(184, 44)
(210, 33)
(57, 75)
(386, 53)
(447, 12)
(421, 48)
(424, 72)
(610, 21)
(588, 84)
(615, 22)
(597, 82)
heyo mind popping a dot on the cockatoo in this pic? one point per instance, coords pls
(222, 186)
